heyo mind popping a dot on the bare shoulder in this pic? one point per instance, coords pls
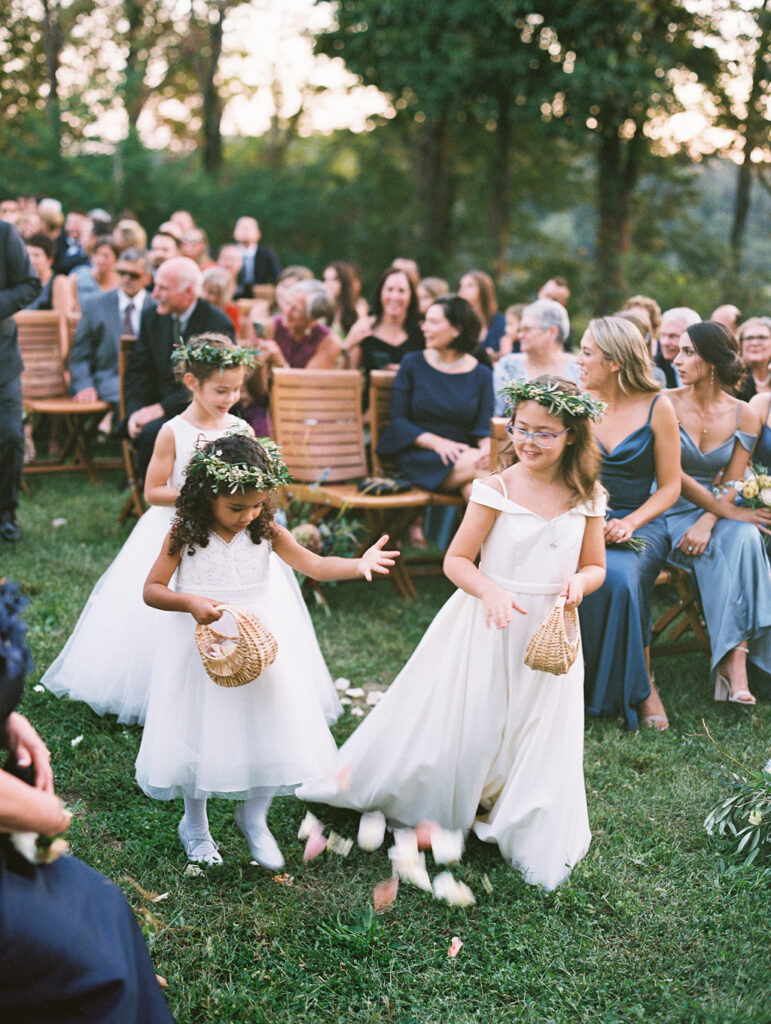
(761, 405)
(749, 419)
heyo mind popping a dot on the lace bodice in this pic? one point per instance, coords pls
(226, 571)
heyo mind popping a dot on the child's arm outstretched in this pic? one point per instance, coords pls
(157, 594)
(591, 564)
(157, 491)
(318, 567)
(459, 566)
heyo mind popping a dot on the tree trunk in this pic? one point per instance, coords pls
(500, 177)
(52, 36)
(212, 102)
(617, 173)
(434, 193)
(134, 75)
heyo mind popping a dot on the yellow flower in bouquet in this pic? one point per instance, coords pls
(750, 488)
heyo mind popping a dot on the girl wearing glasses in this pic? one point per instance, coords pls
(467, 735)
(640, 449)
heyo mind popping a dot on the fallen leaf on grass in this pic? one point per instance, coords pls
(284, 879)
(384, 894)
(455, 947)
(487, 885)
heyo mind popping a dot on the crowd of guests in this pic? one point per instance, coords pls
(688, 401)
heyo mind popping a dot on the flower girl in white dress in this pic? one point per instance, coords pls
(107, 659)
(268, 736)
(467, 735)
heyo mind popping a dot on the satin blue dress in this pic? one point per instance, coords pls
(616, 619)
(762, 454)
(733, 575)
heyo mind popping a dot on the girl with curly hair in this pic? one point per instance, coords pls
(268, 736)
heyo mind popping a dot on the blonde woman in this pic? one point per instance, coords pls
(640, 448)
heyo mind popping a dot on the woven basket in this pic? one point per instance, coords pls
(254, 649)
(554, 645)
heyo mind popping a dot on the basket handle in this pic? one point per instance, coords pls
(560, 602)
(235, 615)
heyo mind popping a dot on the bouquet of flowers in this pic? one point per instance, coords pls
(754, 489)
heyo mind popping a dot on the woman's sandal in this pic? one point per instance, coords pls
(657, 721)
(723, 689)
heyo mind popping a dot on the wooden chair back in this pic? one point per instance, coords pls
(42, 340)
(499, 439)
(71, 321)
(381, 383)
(317, 421)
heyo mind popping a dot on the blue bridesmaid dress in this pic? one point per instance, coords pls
(616, 619)
(733, 574)
(762, 454)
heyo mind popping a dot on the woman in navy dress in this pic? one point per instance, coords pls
(639, 444)
(70, 949)
(441, 404)
(718, 540)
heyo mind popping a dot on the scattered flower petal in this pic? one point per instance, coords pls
(357, 712)
(76, 742)
(384, 894)
(309, 822)
(159, 899)
(345, 701)
(56, 523)
(374, 697)
(342, 684)
(193, 870)
(371, 830)
(487, 885)
(355, 691)
(449, 889)
(344, 778)
(446, 845)
(339, 844)
(284, 879)
(423, 834)
(315, 844)
(407, 863)
(455, 947)
(39, 688)
(25, 843)
(161, 981)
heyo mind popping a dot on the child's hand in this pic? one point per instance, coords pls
(203, 609)
(573, 591)
(499, 606)
(376, 560)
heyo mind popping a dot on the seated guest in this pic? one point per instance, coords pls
(477, 288)
(287, 279)
(513, 317)
(163, 246)
(260, 264)
(230, 259)
(673, 323)
(557, 289)
(340, 284)
(183, 220)
(217, 287)
(195, 245)
(542, 332)
(72, 950)
(94, 356)
(380, 341)
(296, 338)
(716, 539)
(70, 251)
(639, 444)
(441, 404)
(129, 234)
(153, 393)
(755, 342)
(409, 266)
(727, 315)
(40, 249)
(639, 318)
(101, 276)
(429, 290)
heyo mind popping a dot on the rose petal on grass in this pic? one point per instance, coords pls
(158, 899)
(161, 981)
(455, 947)
(374, 697)
(315, 844)
(384, 894)
(357, 712)
(76, 742)
(39, 688)
(342, 684)
(423, 834)
(56, 523)
(453, 892)
(339, 844)
(354, 691)
(309, 822)
(371, 830)
(446, 845)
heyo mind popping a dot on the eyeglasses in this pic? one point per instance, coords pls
(540, 438)
(756, 337)
(133, 274)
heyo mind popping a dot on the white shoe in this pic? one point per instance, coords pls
(262, 846)
(199, 850)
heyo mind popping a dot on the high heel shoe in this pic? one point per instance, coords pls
(723, 692)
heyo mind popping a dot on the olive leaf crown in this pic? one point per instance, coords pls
(208, 465)
(556, 401)
(224, 358)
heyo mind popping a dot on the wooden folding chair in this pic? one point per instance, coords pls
(680, 628)
(317, 421)
(134, 504)
(44, 389)
(71, 321)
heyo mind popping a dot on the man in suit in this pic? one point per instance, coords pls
(260, 264)
(94, 356)
(19, 284)
(153, 393)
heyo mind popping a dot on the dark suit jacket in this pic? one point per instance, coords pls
(65, 261)
(150, 374)
(94, 356)
(266, 271)
(19, 284)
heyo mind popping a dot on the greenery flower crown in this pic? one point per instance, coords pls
(224, 358)
(207, 464)
(553, 398)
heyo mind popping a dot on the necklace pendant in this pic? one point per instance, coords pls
(553, 542)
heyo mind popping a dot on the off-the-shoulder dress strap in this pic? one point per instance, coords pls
(499, 476)
(650, 410)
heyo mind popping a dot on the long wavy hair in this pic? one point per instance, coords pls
(581, 460)
(194, 517)
(620, 340)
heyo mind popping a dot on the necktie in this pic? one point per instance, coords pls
(176, 330)
(127, 327)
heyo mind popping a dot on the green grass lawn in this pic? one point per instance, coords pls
(656, 924)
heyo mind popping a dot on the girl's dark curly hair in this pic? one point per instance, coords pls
(194, 518)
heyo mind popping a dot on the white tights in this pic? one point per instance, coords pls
(255, 813)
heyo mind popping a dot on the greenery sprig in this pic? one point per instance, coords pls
(557, 401)
(207, 464)
(224, 358)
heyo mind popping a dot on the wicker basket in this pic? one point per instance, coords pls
(253, 650)
(554, 645)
